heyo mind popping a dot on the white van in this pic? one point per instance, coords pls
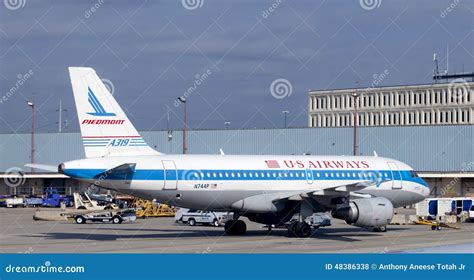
(193, 217)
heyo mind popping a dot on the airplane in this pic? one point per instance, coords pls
(267, 189)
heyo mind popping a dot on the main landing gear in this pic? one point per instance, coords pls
(299, 229)
(380, 229)
(235, 227)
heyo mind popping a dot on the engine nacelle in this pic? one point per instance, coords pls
(366, 212)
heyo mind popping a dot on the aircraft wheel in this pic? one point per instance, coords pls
(292, 229)
(241, 227)
(303, 229)
(380, 229)
(235, 227)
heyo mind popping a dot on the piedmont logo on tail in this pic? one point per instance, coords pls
(95, 103)
(278, 191)
(99, 111)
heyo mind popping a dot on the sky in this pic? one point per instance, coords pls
(243, 62)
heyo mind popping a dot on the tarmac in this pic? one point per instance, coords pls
(19, 233)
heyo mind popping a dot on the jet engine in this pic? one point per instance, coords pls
(366, 212)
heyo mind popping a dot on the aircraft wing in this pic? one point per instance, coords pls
(342, 190)
(272, 202)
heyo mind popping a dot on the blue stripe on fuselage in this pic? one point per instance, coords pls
(257, 175)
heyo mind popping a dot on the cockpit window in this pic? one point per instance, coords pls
(413, 174)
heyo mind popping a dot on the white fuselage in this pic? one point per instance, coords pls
(215, 182)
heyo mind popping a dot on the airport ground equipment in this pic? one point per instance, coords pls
(3, 200)
(54, 199)
(83, 201)
(14, 202)
(116, 216)
(471, 214)
(435, 225)
(440, 206)
(33, 201)
(102, 199)
(318, 220)
(147, 208)
(193, 217)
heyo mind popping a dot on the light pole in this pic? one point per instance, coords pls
(355, 95)
(182, 99)
(227, 125)
(60, 120)
(285, 113)
(32, 105)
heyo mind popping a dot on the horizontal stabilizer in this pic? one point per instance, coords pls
(45, 167)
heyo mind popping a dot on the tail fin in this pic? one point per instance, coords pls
(105, 129)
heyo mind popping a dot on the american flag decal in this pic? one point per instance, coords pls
(272, 164)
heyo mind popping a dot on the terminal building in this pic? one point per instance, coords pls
(433, 104)
(429, 127)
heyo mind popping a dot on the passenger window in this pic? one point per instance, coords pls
(208, 174)
(256, 174)
(214, 174)
(232, 174)
(245, 174)
(220, 175)
(227, 174)
(238, 174)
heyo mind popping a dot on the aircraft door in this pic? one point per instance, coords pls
(170, 180)
(396, 175)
